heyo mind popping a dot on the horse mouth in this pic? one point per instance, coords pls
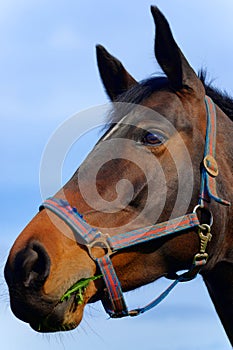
(65, 316)
(67, 313)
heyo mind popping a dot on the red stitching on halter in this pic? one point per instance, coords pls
(116, 306)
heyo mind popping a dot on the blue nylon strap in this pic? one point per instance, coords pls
(155, 302)
(210, 141)
(153, 232)
(184, 277)
(116, 307)
(208, 183)
(84, 233)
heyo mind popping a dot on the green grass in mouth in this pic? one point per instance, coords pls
(78, 289)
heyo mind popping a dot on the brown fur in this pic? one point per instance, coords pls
(181, 100)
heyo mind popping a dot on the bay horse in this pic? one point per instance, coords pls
(160, 204)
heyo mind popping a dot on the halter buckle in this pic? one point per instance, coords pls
(210, 165)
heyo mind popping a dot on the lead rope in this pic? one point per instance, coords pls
(199, 261)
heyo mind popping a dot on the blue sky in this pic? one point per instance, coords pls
(48, 72)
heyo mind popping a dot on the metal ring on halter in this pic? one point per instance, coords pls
(100, 242)
(199, 206)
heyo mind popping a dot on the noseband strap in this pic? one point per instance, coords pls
(91, 237)
(85, 234)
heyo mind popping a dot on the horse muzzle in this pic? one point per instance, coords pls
(26, 275)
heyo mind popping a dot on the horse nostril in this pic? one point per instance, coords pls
(32, 265)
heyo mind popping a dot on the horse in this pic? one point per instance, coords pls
(159, 206)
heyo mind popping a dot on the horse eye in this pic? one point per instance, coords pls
(153, 139)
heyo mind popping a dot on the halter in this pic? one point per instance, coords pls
(91, 237)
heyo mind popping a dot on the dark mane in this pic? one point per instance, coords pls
(138, 93)
(221, 98)
(144, 89)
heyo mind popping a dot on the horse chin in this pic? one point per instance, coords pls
(64, 317)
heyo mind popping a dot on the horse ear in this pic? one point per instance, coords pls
(115, 78)
(171, 59)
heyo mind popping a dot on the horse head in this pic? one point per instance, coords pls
(144, 170)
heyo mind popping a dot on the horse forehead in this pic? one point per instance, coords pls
(164, 109)
(166, 103)
(179, 110)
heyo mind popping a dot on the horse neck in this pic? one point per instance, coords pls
(218, 276)
(224, 154)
